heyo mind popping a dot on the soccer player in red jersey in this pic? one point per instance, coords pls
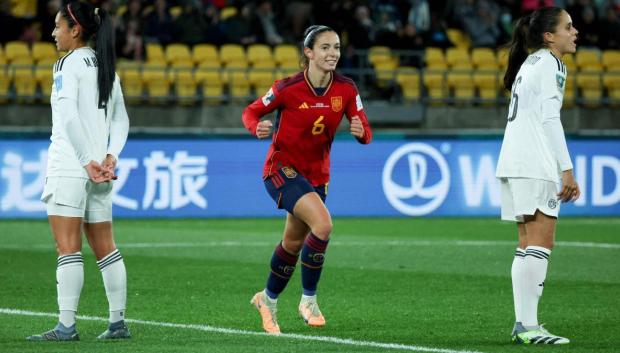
(310, 106)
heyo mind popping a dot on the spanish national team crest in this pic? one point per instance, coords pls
(560, 81)
(289, 172)
(337, 103)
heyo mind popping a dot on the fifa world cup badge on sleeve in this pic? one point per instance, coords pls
(560, 80)
(337, 103)
(289, 172)
(268, 97)
(358, 103)
(58, 83)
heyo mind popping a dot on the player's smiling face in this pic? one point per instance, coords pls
(562, 41)
(63, 35)
(326, 51)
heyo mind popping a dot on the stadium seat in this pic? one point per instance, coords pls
(461, 86)
(588, 60)
(175, 11)
(612, 84)
(591, 90)
(177, 52)
(569, 61)
(384, 73)
(293, 65)
(155, 53)
(286, 72)
(408, 78)
(458, 58)
(261, 79)
(611, 60)
(5, 81)
(232, 52)
(378, 55)
(16, 50)
(24, 83)
(458, 38)
(570, 92)
(484, 58)
(502, 58)
(236, 77)
(285, 53)
(486, 84)
(228, 11)
(131, 82)
(44, 76)
(259, 53)
(434, 83)
(500, 83)
(205, 52)
(157, 84)
(183, 64)
(44, 52)
(185, 85)
(435, 58)
(210, 80)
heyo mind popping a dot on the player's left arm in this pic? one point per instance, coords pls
(119, 127)
(360, 128)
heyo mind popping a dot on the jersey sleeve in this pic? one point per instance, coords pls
(553, 80)
(260, 107)
(119, 121)
(67, 80)
(356, 108)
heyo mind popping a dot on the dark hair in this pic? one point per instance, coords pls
(529, 34)
(97, 26)
(310, 35)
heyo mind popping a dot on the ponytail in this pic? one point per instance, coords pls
(529, 34)
(518, 50)
(106, 58)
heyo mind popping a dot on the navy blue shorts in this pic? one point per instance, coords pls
(287, 186)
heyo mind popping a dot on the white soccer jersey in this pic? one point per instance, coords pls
(81, 130)
(534, 144)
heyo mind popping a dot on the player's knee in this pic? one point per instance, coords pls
(323, 230)
(292, 246)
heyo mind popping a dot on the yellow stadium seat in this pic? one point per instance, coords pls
(502, 58)
(235, 71)
(183, 64)
(284, 72)
(612, 84)
(435, 58)
(462, 86)
(175, 11)
(408, 78)
(185, 85)
(210, 80)
(227, 12)
(44, 77)
(131, 82)
(157, 85)
(458, 58)
(261, 79)
(259, 53)
(590, 87)
(25, 84)
(569, 61)
(205, 52)
(290, 65)
(588, 60)
(44, 51)
(458, 38)
(16, 50)
(378, 55)
(155, 53)
(484, 58)
(231, 52)
(5, 81)
(569, 92)
(384, 72)
(177, 52)
(434, 83)
(611, 60)
(486, 83)
(285, 53)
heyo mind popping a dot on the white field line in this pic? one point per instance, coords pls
(389, 243)
(292, 336)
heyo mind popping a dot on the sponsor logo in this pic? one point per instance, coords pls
(289, 172)
(337, 104)
(319, 105)
(288, 270)
(416, 179)
(318, 257)
(303, 105)
(268, 97)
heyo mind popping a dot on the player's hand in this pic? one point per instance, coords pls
(357, 129)
(263, 129)
(570, 190)
(96, 172)
(109, 165)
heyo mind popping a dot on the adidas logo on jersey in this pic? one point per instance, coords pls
(304, 105)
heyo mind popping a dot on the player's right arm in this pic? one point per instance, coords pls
(257, 109)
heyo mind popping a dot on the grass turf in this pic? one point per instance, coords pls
(434, 283)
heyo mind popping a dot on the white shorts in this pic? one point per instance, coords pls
(523, 196)
(78, 197)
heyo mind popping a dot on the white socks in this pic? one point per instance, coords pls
(518, 279)
(69, 281)
(534, 273)
(115, 281)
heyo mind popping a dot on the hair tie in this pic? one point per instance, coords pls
(307, 39)
(72, 16)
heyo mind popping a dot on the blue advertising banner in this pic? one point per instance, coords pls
(194, 178)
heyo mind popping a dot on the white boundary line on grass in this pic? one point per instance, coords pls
(225, 243)
(294, 336)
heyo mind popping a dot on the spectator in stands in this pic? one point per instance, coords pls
(89, 130)
(242, 28)
(590, 29)
(47, 10)
(296, 171)
(610, 27)
(214, 33)
(361, 33)
(266, 19)
(129, 44)
(134, 12)
(158, 24)
(528, 6)
(436, 35)
(482, 24)
(419, 17)
(190, 27)
(387, 27)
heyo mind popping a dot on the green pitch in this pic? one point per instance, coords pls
(422, 285)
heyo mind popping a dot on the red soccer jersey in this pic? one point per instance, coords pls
(306, 123)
